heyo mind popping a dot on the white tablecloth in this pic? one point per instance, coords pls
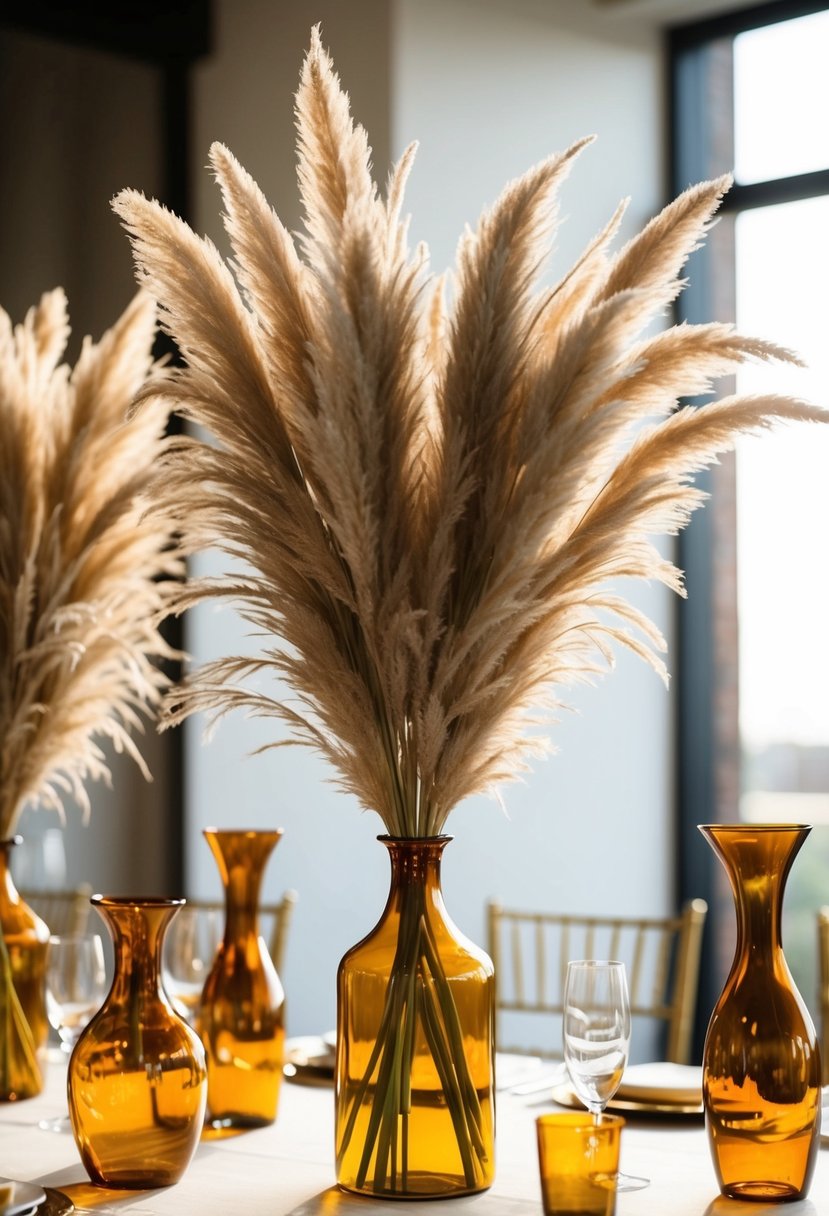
(287, 1169)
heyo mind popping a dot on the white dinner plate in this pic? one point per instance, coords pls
(662, 1081)
(27, 1198)
(565, 1095)
(309, 1059)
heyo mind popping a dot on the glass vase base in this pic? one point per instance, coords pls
(762, 1192)
(419, 1186)
(237, 1123)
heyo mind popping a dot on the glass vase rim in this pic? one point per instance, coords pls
(140, 901)
(777, 826)
(441, 838)
(243, 831)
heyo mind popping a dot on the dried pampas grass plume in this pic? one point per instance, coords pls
(85, 570)
(434, 502)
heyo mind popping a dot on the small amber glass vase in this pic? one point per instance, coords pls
(414, 1089)
(761, 1064)
(24, 1027)
(137, 1081)
(241, 1016)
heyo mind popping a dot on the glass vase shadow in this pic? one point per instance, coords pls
(24, 1026)
(414, 1092)
(137, 1082)
(241, 1015)
(761, 1062)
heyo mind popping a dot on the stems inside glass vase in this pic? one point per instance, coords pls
(411, 1120)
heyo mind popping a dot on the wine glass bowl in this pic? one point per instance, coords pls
(190, 946)
(75, 983)
(596, 1030)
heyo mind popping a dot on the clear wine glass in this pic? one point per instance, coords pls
(596, 1032)
(190, 946)
(75, 990)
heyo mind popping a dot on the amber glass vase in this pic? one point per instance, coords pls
(137, 1079)
(24, 1027)
(761, 1064)
(241, 1016)
(415, 1045)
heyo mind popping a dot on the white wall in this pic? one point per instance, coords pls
(488, 88)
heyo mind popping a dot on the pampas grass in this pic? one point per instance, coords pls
(435, 501)
(85, 571)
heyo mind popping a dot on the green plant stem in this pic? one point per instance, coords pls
(19, 1070)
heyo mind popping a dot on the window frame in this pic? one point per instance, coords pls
(699, 57)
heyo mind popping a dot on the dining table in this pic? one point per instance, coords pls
(287, 1168)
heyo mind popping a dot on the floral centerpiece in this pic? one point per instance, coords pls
(85, 577)
(433, 501)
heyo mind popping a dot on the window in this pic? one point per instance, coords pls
(750, 93)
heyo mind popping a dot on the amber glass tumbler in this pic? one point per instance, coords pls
(137, 1081)
(241, 1016)
(761, 1064)
(415, 1044)
(578, 1159)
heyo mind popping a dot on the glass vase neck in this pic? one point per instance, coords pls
(7, 886)
(413, 857)
(241, 857)
(137, 927)
(757, 859)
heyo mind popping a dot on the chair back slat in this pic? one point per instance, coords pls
(540, 960)
(615, 942)
(663, 962)
(635, 975)
(564, 953)
(517, 957)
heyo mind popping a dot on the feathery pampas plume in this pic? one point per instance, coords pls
(85, 569)
(433, 503)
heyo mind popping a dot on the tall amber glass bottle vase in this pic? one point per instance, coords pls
(415, 1045)
(761, 1064)
(137, 1080)
(24, 1027)
(241, 1017)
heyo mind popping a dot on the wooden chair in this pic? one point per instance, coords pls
(531, 950)
(274, 921)
(823, 987)
(64, 912)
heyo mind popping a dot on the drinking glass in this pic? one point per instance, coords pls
(75, 990)
(190, 946)
(596, 1031)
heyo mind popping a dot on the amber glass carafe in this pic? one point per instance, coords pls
(137, 1080)
(761, 1065)
(241, 1017)
(24, 1027)
(415, 1045)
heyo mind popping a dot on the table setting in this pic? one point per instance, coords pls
(286, 1169)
